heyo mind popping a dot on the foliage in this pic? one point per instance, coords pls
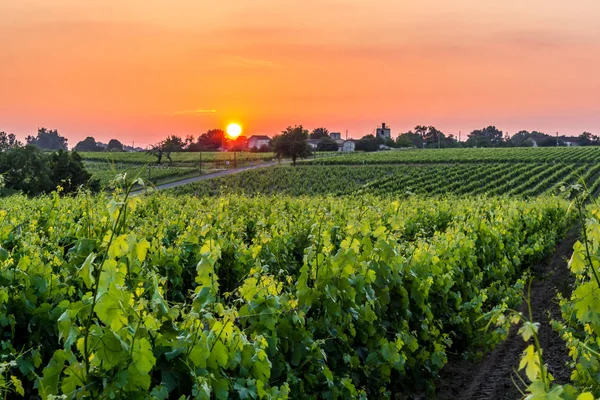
(567, 155)
(292, 143)
(519, 179)
(256, 298)
(486, 137)
(368, 143)
(114, 145)
(88, 144)
(319, 133)
(9, 141)
(48, 140)
(327, 144)
(29, 170)
(166, 147)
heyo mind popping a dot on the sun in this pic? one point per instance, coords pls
(234, 130)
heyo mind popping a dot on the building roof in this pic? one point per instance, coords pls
(259, 137)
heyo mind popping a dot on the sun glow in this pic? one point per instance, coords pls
(234, 130)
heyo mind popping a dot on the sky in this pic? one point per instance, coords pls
(139, 70)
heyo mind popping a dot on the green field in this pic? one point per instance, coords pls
(334, 281)
(104, 166)
(262, 297)
(520, 179)
(480, 155)
(192, 158)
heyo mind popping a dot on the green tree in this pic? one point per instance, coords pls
(87, 144)
(292, 143)
(114, 145)
(319, 133)
(414, 138)
(327, 144)
(165, 147)
(486, 137)
(48, 140)
(367, 143)
(29, 170)
(9, 141)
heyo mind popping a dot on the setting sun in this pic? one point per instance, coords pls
(234, 130)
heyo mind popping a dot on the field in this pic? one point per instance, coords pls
(571, 155)
(519, 179)
(258, 295)
(104, 166)
(319, 281)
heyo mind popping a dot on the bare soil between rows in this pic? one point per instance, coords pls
(492, 377)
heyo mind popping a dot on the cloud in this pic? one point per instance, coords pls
(194, 112)
(236, 61)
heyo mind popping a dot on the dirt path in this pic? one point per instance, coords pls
(490, 378)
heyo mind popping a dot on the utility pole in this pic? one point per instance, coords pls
(459, 139)
(556, 139)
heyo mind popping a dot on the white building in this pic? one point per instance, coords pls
(313, 143)
(348, 146)
(384, 132)
(258, 141)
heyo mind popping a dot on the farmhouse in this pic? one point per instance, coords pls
(258, 141)
(348, 146)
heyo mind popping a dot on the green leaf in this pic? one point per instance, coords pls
(221, 389)
(529, 361)
(48, 383)
(110, 307)
(141, 249)
(73, 379)
(86, 272)
(528, 330)
(3, 254)
(18, 385)
(143, 359)
(218, 356)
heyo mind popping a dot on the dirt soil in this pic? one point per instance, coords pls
(490, 378)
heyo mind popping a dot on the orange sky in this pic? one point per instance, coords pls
(142, 69)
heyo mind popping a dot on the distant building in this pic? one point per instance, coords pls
(570, 141)
(335, 135)
(384, 132)
(258, 141)
(313, 143)
(348, 146)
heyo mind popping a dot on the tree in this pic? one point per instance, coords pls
(367, 143)
(415, 138)
(319, 133)
(404, 141)
(165, 147)
(486, 137)
(587, 139)
(9, 141)
(88, 144)
(292, 143)
(114, 145)
(327, 144)
(212, 140)
(48, 140)
(33, 172)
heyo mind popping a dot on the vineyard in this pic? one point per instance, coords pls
(315, 281)
(521, 179)
(256, 297)
(574, 155)
(104, 166)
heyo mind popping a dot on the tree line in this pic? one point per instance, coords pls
(28, 169)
